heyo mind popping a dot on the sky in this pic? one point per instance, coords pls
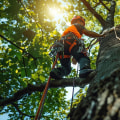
(4, 117)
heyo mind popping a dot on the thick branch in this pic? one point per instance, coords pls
(106, 31)
(101, 20)
(110, 17)
(65, 82)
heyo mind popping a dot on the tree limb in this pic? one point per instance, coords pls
(101, 20)
(111, 29)
(65, 82)
(17, 47)
(110, 17)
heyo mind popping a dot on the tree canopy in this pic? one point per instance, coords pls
(27, 30)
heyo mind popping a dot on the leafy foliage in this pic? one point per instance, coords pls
(24, 56)
(79, 95)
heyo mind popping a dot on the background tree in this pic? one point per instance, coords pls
(26, 32)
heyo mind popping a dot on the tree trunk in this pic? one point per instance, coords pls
(103, 96)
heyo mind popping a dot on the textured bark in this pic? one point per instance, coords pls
(110, 18)
(103, 96)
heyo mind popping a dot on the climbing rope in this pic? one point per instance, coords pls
(39, 112)
(116, 34)
(74, 87)
(72, 93)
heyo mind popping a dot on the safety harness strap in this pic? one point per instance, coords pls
(64, 56)
(72, 45)
(69, 43)
(70, 48)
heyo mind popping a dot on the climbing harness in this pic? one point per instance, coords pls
(40, 108)
(76, 41)
(57, 47)
(116, 34)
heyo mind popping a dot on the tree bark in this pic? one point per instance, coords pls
(103, 96)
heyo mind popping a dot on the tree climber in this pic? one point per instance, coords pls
(74, 46)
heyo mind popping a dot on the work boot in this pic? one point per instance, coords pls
(85, 69)
(58, 73)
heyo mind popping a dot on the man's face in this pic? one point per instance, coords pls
(80, 22)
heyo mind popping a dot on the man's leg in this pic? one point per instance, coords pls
(85, 68)
(83, 62)
(65, 69)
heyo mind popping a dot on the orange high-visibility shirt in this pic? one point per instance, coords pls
(72, 29)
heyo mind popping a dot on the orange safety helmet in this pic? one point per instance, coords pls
(78, 18)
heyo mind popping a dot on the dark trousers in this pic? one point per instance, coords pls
(66, 62)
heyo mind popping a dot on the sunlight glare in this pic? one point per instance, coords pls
(58, 16)
(55, 13)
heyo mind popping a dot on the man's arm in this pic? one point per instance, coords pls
(91, 33)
